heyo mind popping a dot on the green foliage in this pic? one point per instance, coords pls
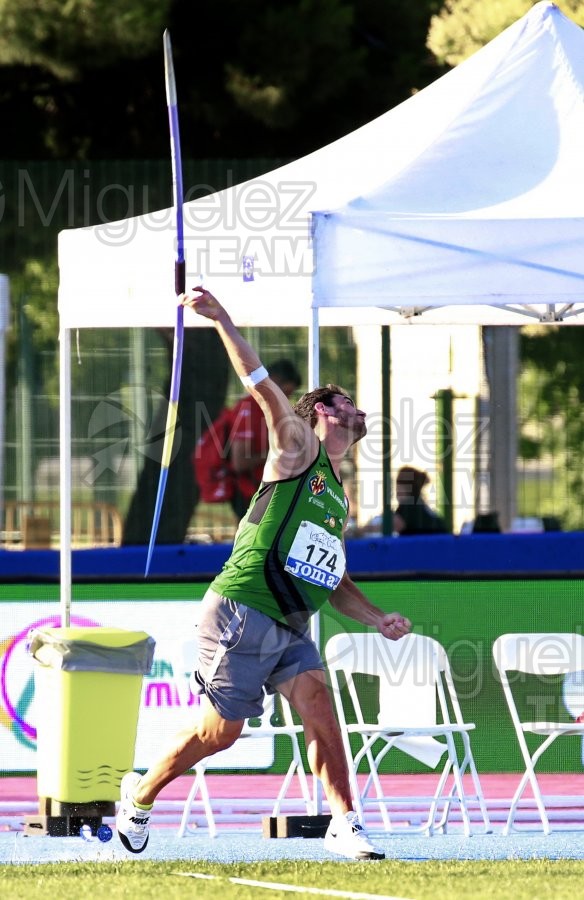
(311, 37)
(551, 389)
(66, 37)
(300, 73)
(338, 356)
(84, 79)
(37, 285)
(464, 26)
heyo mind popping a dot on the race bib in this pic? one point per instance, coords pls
(316, 556)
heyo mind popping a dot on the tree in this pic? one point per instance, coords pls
(552, 418)
(464, 26)
(83, 80)
(63, 38)
(255, 79)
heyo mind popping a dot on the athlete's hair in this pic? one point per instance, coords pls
(304, 407)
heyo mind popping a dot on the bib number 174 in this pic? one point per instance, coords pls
(316, 556)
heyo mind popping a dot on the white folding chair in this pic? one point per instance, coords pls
(276, 720)
(545, 655)
(419, 714)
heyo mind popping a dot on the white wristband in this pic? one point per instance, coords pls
(259, 374)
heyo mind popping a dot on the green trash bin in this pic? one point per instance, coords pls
(88, 683)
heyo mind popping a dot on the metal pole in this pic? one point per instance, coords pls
(502, 364)
(65, 472)
(313, 380)
(24, 409)
(387, 517)
(4, 320)
(313, 350)
(445, 452)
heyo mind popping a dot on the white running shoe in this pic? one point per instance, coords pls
(347, 837)
(131, 822)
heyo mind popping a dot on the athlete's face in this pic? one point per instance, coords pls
(348, 416)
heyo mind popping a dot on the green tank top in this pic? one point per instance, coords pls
(288, 555)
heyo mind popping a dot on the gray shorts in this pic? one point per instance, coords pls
(241, 651)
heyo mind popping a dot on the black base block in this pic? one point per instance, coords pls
(57, 818)
(295, 826)
(59, 826)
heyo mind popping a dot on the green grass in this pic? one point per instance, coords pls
(426, 880)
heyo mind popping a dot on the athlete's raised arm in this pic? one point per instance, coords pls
(293, 444)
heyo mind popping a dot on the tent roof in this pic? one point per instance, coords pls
(491, 153)
(510, 139)
(491, 211)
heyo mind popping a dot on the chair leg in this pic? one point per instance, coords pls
(530, 776)
(432, 825)
(303, 781)
(296, 767)
(458, 770)
(199, 784)
(457, 775)
(361, 796)
(469, 763)
(374, 778)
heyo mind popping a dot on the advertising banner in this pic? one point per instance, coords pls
(166, 701)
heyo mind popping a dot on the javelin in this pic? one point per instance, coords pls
(179, 284)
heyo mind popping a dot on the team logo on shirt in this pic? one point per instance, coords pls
(317, 483)
(331, 520)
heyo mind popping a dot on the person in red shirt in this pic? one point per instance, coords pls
(248, 440)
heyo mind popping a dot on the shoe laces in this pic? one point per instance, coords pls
(353, 820)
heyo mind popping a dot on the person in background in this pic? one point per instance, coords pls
(229, 456)
(413, 515)
(248, 441)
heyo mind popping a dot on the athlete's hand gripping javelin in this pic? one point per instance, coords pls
(202, 302)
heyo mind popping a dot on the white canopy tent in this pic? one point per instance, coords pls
(464, 202)
(491, 210)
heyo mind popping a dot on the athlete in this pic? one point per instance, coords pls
(288, 559)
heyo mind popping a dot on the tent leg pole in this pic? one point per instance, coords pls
(387, 515)
(313, 350)
(65, 473)
(313, 381)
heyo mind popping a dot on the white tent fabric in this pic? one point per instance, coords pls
(491, 209)
(465, 198)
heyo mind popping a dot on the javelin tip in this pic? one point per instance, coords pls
(169, 70)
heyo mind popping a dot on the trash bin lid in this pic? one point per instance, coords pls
(91, 649)
(105, 637)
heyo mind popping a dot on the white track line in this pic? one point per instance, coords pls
(293, 888)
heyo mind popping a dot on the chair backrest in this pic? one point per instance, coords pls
(413, 676)
(539, 653)
(532, 696)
